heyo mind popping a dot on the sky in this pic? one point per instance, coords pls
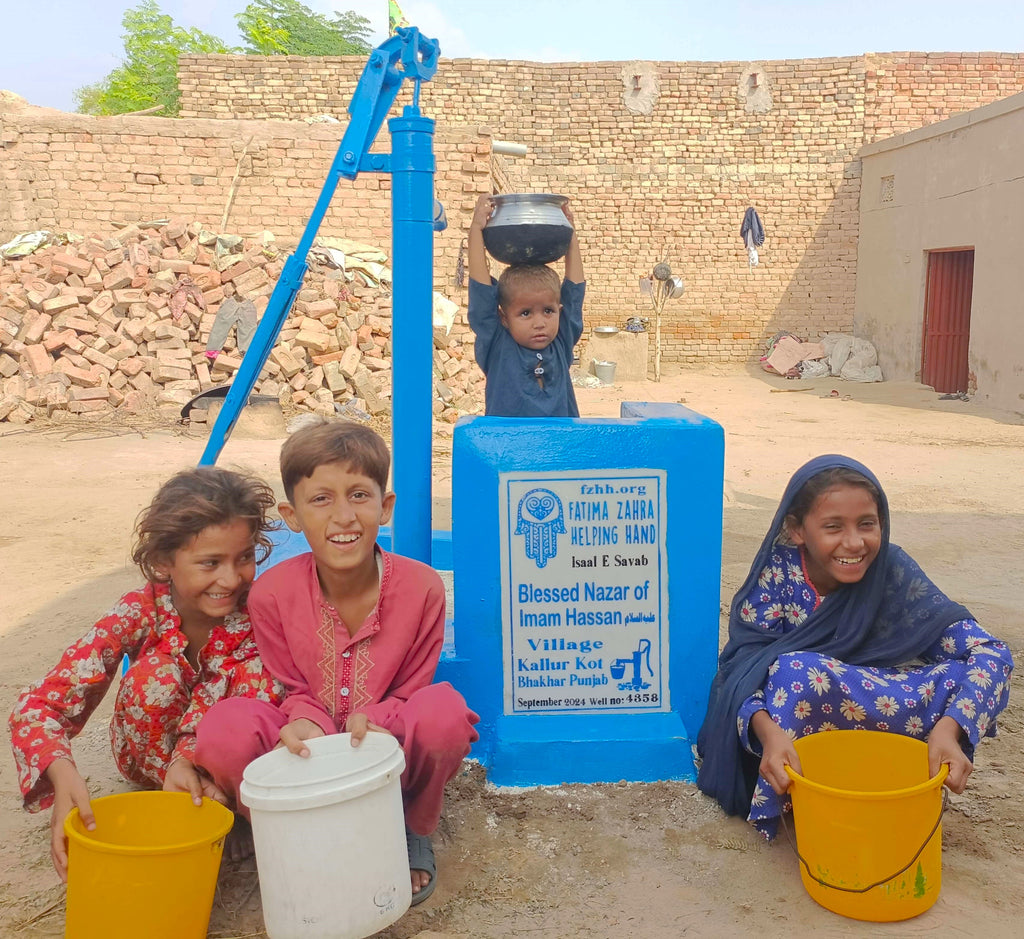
(51, 47)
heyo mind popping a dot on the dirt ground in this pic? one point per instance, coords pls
(657, 860)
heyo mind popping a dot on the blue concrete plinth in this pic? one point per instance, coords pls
(587, 558)
(655, 747)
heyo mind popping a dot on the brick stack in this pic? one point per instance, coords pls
(121, 322)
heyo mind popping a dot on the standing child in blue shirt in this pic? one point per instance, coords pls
(526, 326)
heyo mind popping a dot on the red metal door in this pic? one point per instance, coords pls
(947, 320)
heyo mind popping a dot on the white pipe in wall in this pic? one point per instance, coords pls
(507, 148)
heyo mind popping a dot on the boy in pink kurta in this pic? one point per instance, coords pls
(353, 632)
(384, 671)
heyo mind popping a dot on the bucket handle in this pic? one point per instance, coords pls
(877, 883)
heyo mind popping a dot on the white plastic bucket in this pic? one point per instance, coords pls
(330, 837)
(605, 371)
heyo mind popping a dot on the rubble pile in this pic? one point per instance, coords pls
(122, 322)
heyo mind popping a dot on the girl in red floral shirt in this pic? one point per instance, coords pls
(188, 640)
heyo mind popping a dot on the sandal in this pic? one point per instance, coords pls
(421, 858)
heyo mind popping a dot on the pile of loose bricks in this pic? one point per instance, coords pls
(121, 322)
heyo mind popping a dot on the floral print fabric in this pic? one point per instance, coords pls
(964, 675)
(159, 703)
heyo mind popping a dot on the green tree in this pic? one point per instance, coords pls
(148, 76)
(287, 27)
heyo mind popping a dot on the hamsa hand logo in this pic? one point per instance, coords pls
(540, 520)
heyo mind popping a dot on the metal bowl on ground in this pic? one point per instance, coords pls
(605, 330)
(528, 228)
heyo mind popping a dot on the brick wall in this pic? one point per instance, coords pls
(907, 90)
(671, 180)
(90, 174)
(670, 184)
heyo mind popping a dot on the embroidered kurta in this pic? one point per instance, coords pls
(329, 674)
(145, 626)
(964, 675)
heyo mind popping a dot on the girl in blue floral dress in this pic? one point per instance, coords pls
(837, 628)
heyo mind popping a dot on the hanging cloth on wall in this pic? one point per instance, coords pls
(752, 233)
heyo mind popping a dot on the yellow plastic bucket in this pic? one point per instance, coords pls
(868, 823)
(148, 869)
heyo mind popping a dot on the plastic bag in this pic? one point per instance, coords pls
(829, 341)
(854, 372)
(850, 358)
(840, 353)
(864, 353)
(26, 244)
(814, 368)
(862, 363)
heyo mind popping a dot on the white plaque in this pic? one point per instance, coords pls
(584, 591)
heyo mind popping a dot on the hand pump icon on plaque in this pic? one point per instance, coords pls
(636, 683)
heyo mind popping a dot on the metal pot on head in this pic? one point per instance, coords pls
(528, 228)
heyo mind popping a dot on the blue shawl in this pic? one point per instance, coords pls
(888, 618)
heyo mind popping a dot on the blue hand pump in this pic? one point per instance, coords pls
(407, 54)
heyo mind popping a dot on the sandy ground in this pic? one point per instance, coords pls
(654, 860)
